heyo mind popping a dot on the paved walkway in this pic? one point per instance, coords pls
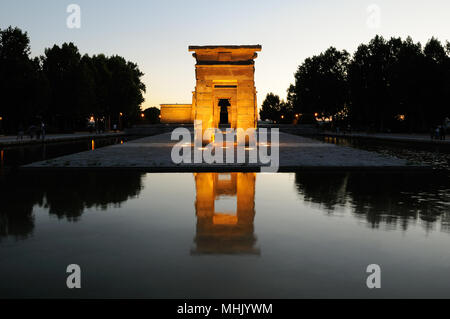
(12, 140)
(295, 152)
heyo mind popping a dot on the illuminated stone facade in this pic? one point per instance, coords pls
(225, 232)
(177, 113)
(225, 90)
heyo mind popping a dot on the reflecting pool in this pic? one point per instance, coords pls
(225, 235)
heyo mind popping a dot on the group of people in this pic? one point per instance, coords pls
(37, 131)
(438, 133)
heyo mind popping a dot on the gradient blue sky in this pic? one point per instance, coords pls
(156, 34)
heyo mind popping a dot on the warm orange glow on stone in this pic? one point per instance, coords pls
(224, 219)
(225, 233)
(222, 73)
(93, 145)
(176, 113)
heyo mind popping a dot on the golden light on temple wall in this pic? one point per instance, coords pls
(225, 219)
(223, 73)
(220, 232)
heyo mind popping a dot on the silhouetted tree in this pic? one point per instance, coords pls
(152, 115)
(270, 109)
(22, 85)
(63, 68)
(63, 88)
(321, 84)
(387, 85)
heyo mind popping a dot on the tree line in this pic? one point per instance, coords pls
(64, 89)
(386, 85)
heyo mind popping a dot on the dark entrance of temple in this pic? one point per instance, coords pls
(224, 105)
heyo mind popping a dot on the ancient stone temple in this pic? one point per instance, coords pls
(225, 93)
(230, 231)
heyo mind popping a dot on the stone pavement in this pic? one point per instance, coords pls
(154, 154)
(13, 141)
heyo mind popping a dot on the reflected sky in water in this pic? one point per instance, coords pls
(225, 235)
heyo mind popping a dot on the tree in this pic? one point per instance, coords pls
(22, 85)
(125, 93)
(62, 67)
(270, 109)
(321, 84)
(152, 115)
(276, 110)
(436, 82)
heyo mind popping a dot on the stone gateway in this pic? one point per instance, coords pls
(225, 93)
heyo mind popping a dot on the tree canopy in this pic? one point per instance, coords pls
(386, 85)
(64, 88)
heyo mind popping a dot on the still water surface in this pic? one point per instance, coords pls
(226, 235)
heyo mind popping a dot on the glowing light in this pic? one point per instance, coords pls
(121, 142)
(92, 119)
(121, 114)
(1, 118)
(401, 117)
(316, 114)
(225, 219)
(93, 145)
(296, 115)
(282, 116)
(142, 115)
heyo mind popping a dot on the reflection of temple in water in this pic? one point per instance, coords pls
(225, 232)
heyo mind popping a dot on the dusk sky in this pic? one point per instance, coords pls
(156, 34)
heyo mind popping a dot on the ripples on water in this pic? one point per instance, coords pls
(389, 200)
(224, 235)
(433, 155)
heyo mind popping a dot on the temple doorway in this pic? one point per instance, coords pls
(224, 105)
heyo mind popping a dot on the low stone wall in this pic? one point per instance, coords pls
(176, 113)
(149, 130)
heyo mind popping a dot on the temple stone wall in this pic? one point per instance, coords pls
(225, 72)
(176, 113)
(222, 73)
